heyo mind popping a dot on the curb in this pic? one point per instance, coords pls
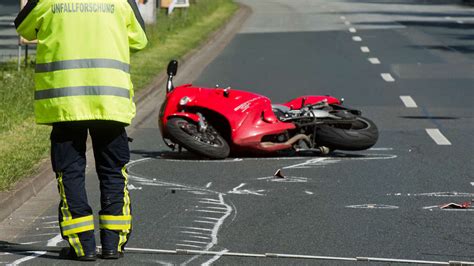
(200, 56)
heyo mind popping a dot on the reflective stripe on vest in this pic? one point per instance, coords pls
(115, 222)
(77, 225)
(82, 63)
(81, 91)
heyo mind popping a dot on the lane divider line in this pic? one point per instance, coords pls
(387, 77)
(408, 101)
(365, 49)
(437, 136)
(357, 39)
(374, 61)
(226, 253)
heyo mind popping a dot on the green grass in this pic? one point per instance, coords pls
(24, 145)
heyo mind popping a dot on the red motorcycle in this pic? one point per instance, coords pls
(212, 122)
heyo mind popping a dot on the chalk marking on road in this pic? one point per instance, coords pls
(352, 29)
(195, 242)
(203, 222)
(287, 179)
(374, 61)
(372, 206)
(408, 101)
(365, 49)
(308, 192)
(347, 23)
(196, 228)
(193, 233)
(237, 190)
(437, 136)
(209, 199)
(200, 237)
(196, 192)
(210, 218)
(209, 202)
(215, 258)
(209, 211)
(209, 185)
(308, 162)
(216, 228)
(286, 256)
(356, 38)
(51, 243)
(188, 245)
(216, 208)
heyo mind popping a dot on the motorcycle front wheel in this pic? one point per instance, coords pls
(361, 134)
(208, 143)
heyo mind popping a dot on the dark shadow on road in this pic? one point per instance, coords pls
(27, 250)
(188, 156)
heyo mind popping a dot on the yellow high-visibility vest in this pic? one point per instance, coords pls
(83, 57)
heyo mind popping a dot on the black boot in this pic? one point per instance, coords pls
(111, 254)
(69, 254)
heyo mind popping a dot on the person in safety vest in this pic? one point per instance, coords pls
(83, 85)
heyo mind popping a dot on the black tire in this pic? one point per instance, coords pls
(209, 144)
(359, 135)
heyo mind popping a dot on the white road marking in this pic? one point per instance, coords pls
(210, 218)
(287, 179)
(408, 101)
(449, 194)
(209, 199)
(447, 17)
(51, 243)
(209, 185)
(472, 184)
(374, 60)
(307, 163)
(365, 49)
(347, 23)
(187, 245)
(387, 77)
(372, 206)
(460, 22)
(352, 29)
(216, 228)
(357, 39)
(437, 136)
(198, 228)
(343, 18)
(200, 237)
(203, 222)
(195, 242)
(308, 192)
(193, 233)
(237, 190)
(216, 257)
(209, 211)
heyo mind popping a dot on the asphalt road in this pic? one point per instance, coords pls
(408, 65)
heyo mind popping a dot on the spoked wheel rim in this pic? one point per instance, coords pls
(209, 136)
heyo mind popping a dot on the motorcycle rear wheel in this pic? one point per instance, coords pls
(209, 143)
(358, 135)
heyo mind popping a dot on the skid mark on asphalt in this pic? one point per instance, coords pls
(209, 214)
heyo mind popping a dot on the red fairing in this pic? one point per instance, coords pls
(249, 115)
(311, 99)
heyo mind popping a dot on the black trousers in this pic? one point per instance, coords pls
(68, 157)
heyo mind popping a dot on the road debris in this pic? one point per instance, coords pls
(278, 174)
